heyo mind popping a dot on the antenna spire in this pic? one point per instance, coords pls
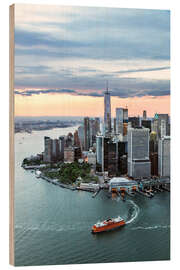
(107, 86)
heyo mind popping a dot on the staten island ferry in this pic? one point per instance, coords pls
(108, 224)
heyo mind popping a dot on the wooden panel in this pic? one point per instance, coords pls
(11, 134)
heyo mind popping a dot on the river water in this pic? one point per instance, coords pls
(53, 225)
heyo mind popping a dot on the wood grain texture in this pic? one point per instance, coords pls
(11, 134)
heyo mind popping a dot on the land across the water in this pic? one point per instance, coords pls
(29, 125)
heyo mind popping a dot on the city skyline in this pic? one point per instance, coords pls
(63, 58)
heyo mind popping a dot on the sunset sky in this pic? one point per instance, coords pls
(64, 56)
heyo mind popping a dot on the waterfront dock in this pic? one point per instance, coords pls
(57, 183)
(96, 193)
(144, 193)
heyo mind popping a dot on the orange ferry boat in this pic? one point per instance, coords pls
(109, 224)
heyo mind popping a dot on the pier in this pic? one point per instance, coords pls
(96, 193)
(144, 193)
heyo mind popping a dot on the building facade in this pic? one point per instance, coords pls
(55, 149)
(146, 124)
(91, 158)
(61, 147)
(135, 121)
(144, 115)
(81, 136)
(47, 154)
(69, 155)
(86, 134)
(99, 149)
(163, 128)
(122, 123)
(107, 112)
(164, 156)
(138, 153)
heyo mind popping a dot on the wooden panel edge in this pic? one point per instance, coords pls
(11, 134)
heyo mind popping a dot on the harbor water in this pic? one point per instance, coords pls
(53, 224)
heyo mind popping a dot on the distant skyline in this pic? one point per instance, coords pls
(64, 55)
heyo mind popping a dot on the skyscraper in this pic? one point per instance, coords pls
(47, 156)
(61, 147)
(86, 134)
(122, 122)
(146, 124)
(81, 136)
(76, 139)
(144, 115)
(138, 152)
(164, 156)
(55, 149)
(92, 127)
(135, 121)
(163, 128)
(119, 120)
(114, 126)
(158, 121)
(99, 150)
(107, 111)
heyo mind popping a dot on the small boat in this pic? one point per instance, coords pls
(38, 173)
(108, 224)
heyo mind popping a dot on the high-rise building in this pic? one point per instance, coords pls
(91, 158)
(154, 126)
(157, 123)
(99, 150)
(69, 154)
(93, 131)
(153, 153)
(106, 141)
(61, 147)
(77, 153)
(114, 126)
(138, 153)
(163, 128)
(122, 123)
(55, 149)
(107, 111)
(81, 136)
(109, 154)
(146, 124)
(76, 139)
(154, 164)
(102, 152)
(164, 156)
(97, 125)
(86, 134)
(69, 140)
(144, 115)
(47, 155)
(135, 121)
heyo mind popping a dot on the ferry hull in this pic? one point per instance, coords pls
(108, 227)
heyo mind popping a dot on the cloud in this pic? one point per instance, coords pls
(142, 70)
(79, 48)
(98, 34)
(126, 88)
(46, 91)
(41, 69)
(30, 39)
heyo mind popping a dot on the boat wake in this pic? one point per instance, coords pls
(155, 227)
(52, 227)
(135, 212)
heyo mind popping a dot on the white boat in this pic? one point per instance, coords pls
(38, 173)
